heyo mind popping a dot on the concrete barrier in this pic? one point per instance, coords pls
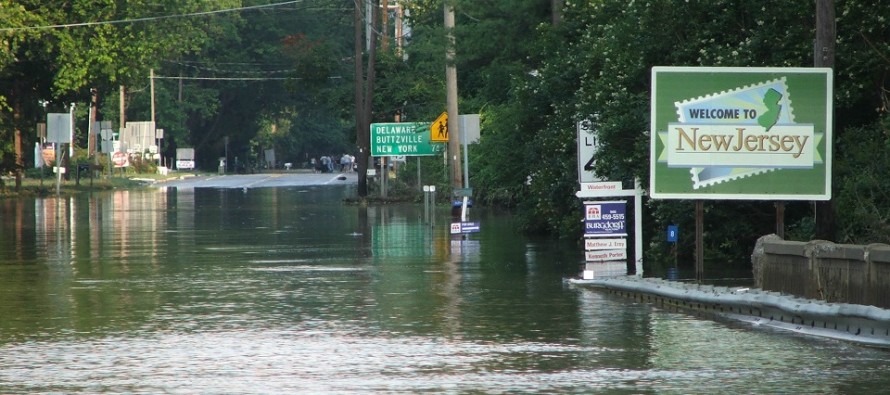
(822, 270)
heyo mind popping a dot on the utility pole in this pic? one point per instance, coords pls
(384, 36)
(17, 141)
(823, 56)
(151, 83)
(451, 98)
(362, 157)
(92, 146)
(363, 103)
(123, 108)
(556, 11)
(399, 28)
(154, 125)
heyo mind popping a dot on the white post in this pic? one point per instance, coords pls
(638, 228)
(71, 143)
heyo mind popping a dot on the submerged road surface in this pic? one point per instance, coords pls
(263, 180)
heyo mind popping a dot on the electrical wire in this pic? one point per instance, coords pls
(162, 77)
(146, 19)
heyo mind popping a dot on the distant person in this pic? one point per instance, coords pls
(344, 163)
(325, 162)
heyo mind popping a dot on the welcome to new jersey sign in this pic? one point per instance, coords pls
(741, 133)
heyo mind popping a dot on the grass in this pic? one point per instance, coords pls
(47, 185)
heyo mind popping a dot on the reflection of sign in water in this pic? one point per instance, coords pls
(398, 238)
(741, 133)
(605, 218)
(464, 227)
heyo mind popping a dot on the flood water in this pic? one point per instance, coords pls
(287, 290)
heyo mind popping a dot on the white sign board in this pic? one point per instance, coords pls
(604, 244)
(58, 128)
(605, 255)
(469, 128)
(587, 147)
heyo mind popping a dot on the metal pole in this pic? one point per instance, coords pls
(638, 228)
(426, 203)
(71, 143)
(58, 168)
(463, 140)
(780, 219)
(383, 175)
(699, 241)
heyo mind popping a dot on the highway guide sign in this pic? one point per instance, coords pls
(741, 133)
(403, 138)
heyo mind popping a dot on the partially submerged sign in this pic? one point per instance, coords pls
(741, 133)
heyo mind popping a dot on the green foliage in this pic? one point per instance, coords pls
(532, 87)
(863, 199)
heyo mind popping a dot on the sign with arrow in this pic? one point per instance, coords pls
(587, 147)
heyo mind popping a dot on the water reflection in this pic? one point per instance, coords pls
(286, 290)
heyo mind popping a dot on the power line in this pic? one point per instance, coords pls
(192, 65)
(162, 77)
(146, 19)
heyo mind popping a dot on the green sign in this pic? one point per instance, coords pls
(405, 138)
(741, 133)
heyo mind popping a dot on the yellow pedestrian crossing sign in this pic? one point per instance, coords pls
(439, 129)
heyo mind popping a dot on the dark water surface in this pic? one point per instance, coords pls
(286, 290)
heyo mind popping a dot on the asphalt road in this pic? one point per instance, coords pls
(266, 180)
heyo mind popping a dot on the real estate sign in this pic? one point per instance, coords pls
(604, 219)
(741, 133)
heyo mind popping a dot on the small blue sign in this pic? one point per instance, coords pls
(672, 233)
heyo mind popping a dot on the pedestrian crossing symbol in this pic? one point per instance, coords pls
(439, 129)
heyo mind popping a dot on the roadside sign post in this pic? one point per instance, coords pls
(637, 194)
(740, 133)
(59, 129)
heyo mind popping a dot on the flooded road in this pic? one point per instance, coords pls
(287, 290)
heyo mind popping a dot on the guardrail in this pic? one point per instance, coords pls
(856, 323)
